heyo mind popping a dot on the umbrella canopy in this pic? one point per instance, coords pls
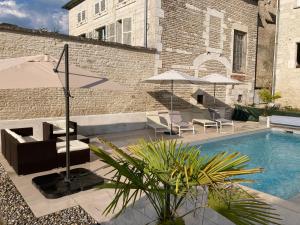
(219, 79)
(171, 77)
(174, 76)
(37, 72)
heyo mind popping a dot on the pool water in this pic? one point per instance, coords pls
(277, 152)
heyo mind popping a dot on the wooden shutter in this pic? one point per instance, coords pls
(103, 5)
(119, 31)
(127, 30)
(111, 34)
(97, 8)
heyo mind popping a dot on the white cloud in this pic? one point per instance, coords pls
(10, 8)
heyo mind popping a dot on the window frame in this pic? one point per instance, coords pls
(100, 11)
(241, 67)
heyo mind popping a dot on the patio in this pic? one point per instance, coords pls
(94, 201)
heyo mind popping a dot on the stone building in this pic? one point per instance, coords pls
(287, 76)
(196, 37)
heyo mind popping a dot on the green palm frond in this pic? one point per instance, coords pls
(241, 208)
(161, 169)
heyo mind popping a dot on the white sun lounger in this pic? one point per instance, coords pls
(154, 121)
(206, 123)
(221, 121)
(178, 122)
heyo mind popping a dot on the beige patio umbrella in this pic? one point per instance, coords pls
(173, 76)
(37, 72)
(219, 79)
(43, 71)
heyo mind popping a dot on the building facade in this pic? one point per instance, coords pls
(196, 37)
(287, 76)
(130, 22)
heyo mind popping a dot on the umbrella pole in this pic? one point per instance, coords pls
(67, 98)
(172, 90)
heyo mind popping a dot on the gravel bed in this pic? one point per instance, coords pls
(15, 211)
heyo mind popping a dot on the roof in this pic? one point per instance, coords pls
(72, 3)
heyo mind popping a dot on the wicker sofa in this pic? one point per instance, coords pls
(28, 155)
(25, 154)
(55, 129)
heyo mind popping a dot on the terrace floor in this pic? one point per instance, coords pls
(95, 201)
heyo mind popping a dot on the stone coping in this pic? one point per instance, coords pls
(4, 27)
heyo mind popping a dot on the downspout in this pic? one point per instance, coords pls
(146, 25)
(275, 48)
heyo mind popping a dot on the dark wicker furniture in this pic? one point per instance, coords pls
(36, 156)
(49, 130)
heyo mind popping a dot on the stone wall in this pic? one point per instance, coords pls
(266, 43)
(197, 38)
(123, 64)
(287, 73)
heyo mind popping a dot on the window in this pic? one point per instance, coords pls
(239, 52)
(240, 98)
(82, 35)
(127, 31)
(200, 99)
(81, 17)
(101, 33)
(100, 6)
(298, 56)
(111, 34)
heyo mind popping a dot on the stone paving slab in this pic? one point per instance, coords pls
(94, 201)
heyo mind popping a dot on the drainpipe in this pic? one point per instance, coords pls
(275, 48)
(146, 25)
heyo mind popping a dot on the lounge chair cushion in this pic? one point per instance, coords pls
(16, 136)
(59, 127)
(75, 145)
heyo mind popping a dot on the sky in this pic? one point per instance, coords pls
(35, 14)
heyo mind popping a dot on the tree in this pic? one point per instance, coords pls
(169, 174)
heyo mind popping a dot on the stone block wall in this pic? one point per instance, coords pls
(197, 38)
(125, 65)
(287, 72)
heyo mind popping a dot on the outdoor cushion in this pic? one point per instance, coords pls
(16, 136)
(75, 145)
(62, 131)
(30, 139)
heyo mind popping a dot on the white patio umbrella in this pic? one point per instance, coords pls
(43, 71)
(218, 79)
(172, 77)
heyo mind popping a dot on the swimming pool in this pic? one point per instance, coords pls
(277, 152)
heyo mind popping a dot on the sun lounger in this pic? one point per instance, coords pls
(206, 123)
(177, 122)
(155, 122)
(286, 121)
(221, 121)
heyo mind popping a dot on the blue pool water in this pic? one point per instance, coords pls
(277, 152)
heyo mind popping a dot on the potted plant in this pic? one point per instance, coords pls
(169, 174)
(267, 98)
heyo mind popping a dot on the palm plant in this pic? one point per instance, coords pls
(169, 174)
